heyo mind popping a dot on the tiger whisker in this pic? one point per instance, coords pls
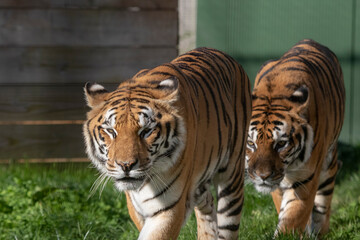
(161, 181)
(96, 184)
(107, 178)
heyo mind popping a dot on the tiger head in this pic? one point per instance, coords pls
(134, 132)
(279, 138)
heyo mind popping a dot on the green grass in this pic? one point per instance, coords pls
(52, 202)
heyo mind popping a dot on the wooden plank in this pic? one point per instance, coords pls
(78, 65)
(143, 4)
(57, 27)
(43, 103)
(41, 141)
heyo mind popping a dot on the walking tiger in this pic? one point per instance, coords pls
(165, 135)
(297, 114)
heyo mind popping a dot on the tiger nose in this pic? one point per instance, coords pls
(264, 175)
(127, 166)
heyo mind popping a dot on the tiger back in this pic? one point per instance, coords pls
(167, 134)
(298, 111)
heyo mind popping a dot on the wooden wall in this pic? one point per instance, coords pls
(50, 48)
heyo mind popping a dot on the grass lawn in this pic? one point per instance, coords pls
(52, 202)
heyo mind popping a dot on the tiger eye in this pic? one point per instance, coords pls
(111, 131)
(251, 143)
(280, 144)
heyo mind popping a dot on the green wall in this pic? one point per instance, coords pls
(258, 30)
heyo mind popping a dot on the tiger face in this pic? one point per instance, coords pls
(279, 140)
(131, 134)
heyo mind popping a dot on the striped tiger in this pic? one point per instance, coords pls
(297, 114)
(168, 133)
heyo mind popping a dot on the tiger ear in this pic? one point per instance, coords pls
(94, 94)
(168, 89)
(301, 96)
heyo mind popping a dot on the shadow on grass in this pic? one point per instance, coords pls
(350, 157)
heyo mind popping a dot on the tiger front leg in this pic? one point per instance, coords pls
(321, 211)
(164, 225)
(206, 215)
(230, 196)
(296, 207)
(134, 215)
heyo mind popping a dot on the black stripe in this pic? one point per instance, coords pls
(289, 201)
(229, 227)
(294, 69)
(315, 70)
(326, 193)
(92, 144)
(229, 189)
(168, 129)
(168, 153)
(168, 207)
(187, 59)
(96, 140)
(277, 123)
(143, 92)
(299, 99)
(256, 115)
(236, 211)
(188, 82)
(302, 155)
(161, 73)
(297, 184)
(222, 170)
(222, 57)
(116, 94)
(204, 93)
(141, 100)
(203, 177)
(218, 69)
(111, 115)
(165, 209)
(229, 205)
(141, 73)
(215, 105)
(143, 108)
(175, 129)
(167, 187)
(298, 138)
(254, 123)
(118, 101)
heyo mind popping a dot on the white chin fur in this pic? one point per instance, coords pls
(264, 189)
(126, 186)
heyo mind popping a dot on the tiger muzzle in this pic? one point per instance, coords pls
(127, 166)
(266, 169)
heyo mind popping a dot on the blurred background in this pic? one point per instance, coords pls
(49, 49)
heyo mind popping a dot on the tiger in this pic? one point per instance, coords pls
(170, 133)
(297, 115)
